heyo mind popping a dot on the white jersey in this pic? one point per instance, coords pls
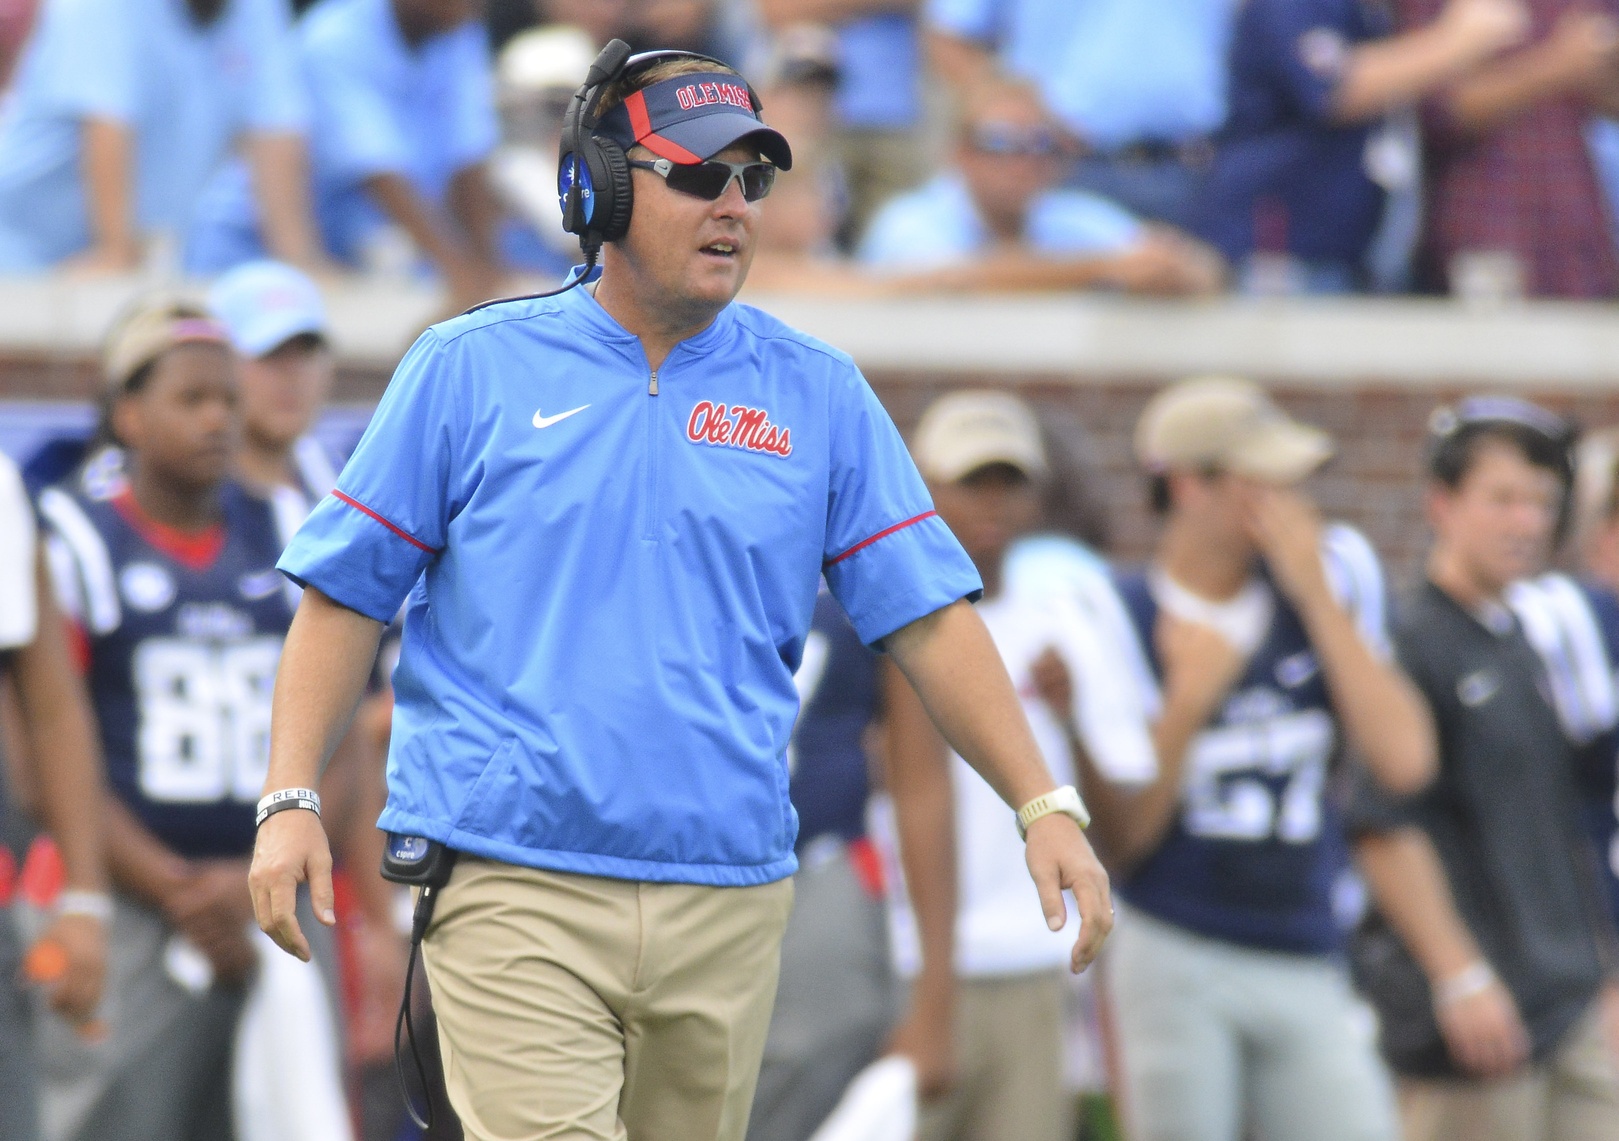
(19, 604)
(1000, 928)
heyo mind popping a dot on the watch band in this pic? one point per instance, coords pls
(284, 799)
(1065, 800)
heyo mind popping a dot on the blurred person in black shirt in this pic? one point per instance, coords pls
(1491, 945)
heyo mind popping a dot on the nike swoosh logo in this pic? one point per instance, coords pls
(543, 421)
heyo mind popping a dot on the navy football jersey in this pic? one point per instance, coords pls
(183, 647)
(1257, 854)
(1286, 175)
(838, 696)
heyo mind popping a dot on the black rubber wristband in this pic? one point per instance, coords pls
(270, 810)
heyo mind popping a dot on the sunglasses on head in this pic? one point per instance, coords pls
(1013, 142)
(1499, 410)
(708, 180)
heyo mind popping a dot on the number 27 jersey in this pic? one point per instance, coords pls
(1257, 854)
(184, 637)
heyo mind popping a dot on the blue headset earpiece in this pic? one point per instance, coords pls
(576, 180)
(593, 176)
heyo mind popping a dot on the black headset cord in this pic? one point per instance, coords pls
(404, 1025)
(418, 927)
(592, 250)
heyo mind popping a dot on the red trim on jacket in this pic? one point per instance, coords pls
(400, 531)
(883, 534)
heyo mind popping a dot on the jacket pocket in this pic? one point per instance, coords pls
(484, 801)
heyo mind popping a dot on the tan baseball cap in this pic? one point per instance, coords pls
(1230, 425)
(149, 329)
(965, 431)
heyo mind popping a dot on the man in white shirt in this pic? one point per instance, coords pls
(982, 455)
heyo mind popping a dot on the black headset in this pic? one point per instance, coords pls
(593, 171)
(593, 175)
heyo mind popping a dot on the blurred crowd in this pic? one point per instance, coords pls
(1366, 849)
(1262, 146)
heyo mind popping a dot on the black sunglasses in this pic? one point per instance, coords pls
(708, 180)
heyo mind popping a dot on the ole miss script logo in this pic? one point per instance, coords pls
(737, 426)
(695, 95)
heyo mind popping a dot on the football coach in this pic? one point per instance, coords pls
(607, 511)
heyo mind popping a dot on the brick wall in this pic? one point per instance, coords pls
(1375, 481)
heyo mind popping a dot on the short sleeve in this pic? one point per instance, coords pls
(1357, 581)
(1370, 808)
(476, 129)
(19, 606)
(965, 19)
(276, 99)
(356, 131)
(889, 558)
(367, 543)
(88, 58)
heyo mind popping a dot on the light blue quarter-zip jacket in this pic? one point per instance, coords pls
(610, 576)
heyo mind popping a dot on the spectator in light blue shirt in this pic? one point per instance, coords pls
(1140, 85)
(403, 119)
(120, 111)
(877, 51)
(997, 220)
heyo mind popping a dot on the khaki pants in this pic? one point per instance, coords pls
(1009, 1052)
(574, 1008)
(1572, 1096)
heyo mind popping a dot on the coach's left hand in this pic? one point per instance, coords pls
(1060, 859)
(291, 849)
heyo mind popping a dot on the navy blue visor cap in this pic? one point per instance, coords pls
(691, 118)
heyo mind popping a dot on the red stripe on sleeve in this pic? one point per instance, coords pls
(883, 534)
(403, 534)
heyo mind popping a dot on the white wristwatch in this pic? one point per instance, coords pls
(1064, 800)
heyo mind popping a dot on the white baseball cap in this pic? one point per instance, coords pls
(1228, 424)
(264, 304)
(965, 431)
(541, 60)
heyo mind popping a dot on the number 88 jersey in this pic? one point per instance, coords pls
(184, 633)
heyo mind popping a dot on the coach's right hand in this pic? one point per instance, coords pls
(1060, 859)
(291, 849)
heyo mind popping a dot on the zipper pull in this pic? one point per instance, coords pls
(652, 388)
